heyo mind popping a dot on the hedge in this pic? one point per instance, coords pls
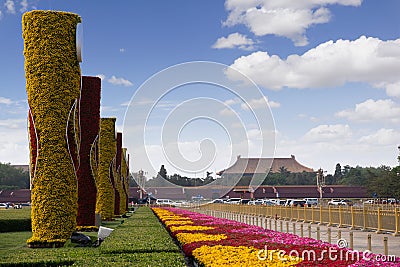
(53, 86)
(15, 220)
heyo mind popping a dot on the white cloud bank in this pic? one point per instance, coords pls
(234, 40)
(115, 80)
(330, 64)
(10, 6)
(287, 18)
(371, 110)
(328, 133)
(6, 101)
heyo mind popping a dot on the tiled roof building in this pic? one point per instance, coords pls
(262, 165)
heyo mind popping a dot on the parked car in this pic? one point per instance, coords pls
(161, 201)
(3, 206)
(287, 202)
(311, 201)
(244, 201)
(256, 202)
(233, 200)
(340, 202)
(297, 203)
(369, 202)
(281, 202)
(218, 200)
(268, 202)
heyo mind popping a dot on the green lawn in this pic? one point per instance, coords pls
(136, 241)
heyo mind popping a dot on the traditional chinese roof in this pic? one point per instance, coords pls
(262, 165)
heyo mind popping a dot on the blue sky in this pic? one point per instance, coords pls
(329, 70)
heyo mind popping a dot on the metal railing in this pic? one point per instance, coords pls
(367, 218)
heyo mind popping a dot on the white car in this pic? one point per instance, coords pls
(161, 201)
(311, 201)
(233, 200)
(218, 200)
(3, 206)
(340, 202)
(369, 202)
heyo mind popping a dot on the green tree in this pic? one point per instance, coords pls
(163, 172)
(338, 174)
(13, 178)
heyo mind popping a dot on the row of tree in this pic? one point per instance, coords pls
(12, 178)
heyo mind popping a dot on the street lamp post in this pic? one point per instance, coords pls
(141, 181)
(320, 183)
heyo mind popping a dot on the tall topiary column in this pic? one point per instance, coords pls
(125, 177)
(122, 197)
(53, 85)
(89, 117)
(107, 150)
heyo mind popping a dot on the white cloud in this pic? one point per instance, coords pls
(328, 133)
(260, 103)
(231, 102)
(114, 80)
(393, 89)
(286, 18)
(330, 64)
(227, 112)
(24, 6)
(383, 137)
(14, 144)
(234, 40)
(371, 110)
(5, 101)
(122, 50)
(10, 6)
(119, 81)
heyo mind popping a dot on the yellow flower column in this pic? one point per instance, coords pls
(53, 85)
(107, 150)
(125, 181)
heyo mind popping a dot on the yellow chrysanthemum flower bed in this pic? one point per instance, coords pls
(190, 228)
(173, 222)
(215, 256)
(174, 218)
(186, 238)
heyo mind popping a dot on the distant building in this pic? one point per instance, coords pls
(253, 171)
(247, 166)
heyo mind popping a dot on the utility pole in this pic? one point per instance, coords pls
(141, 181)
(320, 183)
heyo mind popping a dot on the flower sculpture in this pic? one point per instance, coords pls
(120, 178)
(89, 117)
(105, 183)
(125, 176)
(53, 86)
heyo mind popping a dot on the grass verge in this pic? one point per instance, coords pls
(139, 241)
